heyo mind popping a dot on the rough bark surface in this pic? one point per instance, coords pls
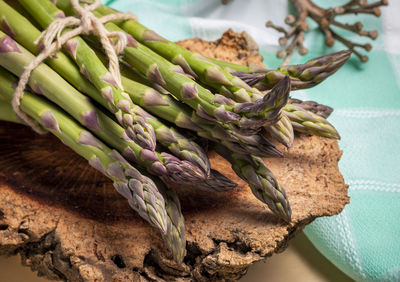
(239, 48)
(68, 223)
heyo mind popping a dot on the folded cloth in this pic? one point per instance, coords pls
(363, 241)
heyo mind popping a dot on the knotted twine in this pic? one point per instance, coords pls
(52, 41)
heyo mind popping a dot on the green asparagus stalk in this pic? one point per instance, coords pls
(24, 32)
(21, 30)
(118, 102)
(147, 97)
(318, 109)
(7, 113)
(315, 70)
(307, 122)
(173, 111)
(185, 150)
(175, 237)
(261, 180)
(301, 76)
(45, 81)
(232, 67)
(178, 113)
(184, 117)
(140, 191)
(193, 64)
(307, 75)
(216, 73)
(248, 117)
(255, 144)
(281, 131)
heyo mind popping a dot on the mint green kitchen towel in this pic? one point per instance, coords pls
(364, 240)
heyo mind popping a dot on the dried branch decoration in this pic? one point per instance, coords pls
(325, 18)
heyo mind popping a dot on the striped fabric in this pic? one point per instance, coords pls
(363, 241)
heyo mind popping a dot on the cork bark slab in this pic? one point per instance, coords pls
(68, 223)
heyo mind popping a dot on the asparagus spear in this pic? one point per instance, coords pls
(308, 122)
(313, 71)
(118, 102)
(174, 222)
(7, 113)
(175, 237)
(45, 81)
(21, 30)
(172, 110)
(24, 32)
(282, 131)
(140, 191)
(221, 75)
(301, 76)
(145, 96)
(232, 67)
(261, 180)
(194, 64)
(318, 109)
(169, 107)
(248, 117)
(179, 114)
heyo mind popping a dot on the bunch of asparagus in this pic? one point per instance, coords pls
(137, 133)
